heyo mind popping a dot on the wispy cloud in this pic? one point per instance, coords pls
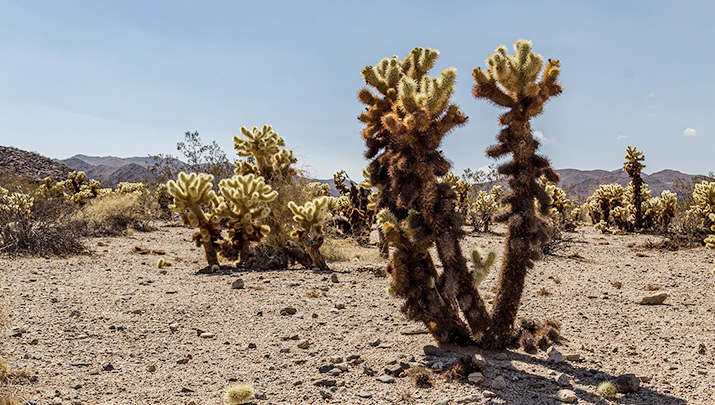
(651, 95)
(622, 137)
(541, 138)
(689, 132)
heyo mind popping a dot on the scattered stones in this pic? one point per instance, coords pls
(303, 344)
(289, 311)
(566, 396)
(627, 383)
(476, 378)
(418, 329)
(324, 382)
(238, 284)
(374, 342)
(386, 379)
(656, 299)
(432, 350)
(363, 394)
(498, 383)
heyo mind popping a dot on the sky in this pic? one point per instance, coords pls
(129, 78)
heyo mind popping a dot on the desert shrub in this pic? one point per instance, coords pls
(237, 394)
(36, 225)
(116, 212)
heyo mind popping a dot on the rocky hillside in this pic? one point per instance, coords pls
(16, 162)
(582, 183)
(110, 170)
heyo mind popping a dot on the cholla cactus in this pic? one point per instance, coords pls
(16, 205)
(461, 188)
(361, 214)
(482, 207)
(633, 167)
(704, 199)
(310, 218)
(602, 226)
(408, 114)
(481, 265)
(192, 194)
(317, 189)
(264, 145)
(606, 198)
(710, 240)
(521, 82)
(79, 189)
(131, 188)
(243, 204)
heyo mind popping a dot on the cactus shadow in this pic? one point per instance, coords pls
(529, 384)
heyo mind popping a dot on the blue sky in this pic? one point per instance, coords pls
(128, 78)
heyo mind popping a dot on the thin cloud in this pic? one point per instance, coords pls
(541, 138)
(622, 137)
(689, 132)
(651, 95)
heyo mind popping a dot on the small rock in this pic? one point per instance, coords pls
(643, 378)
(335, 372)
(78, 364)
(476, 378)
(627, 383)
(498, 383)
(151, 368)
(384, 345)
(432, 350)
(33, 342)
(572, 357)
(107, 366)
(374, 342)
(386, 378)
(207, 335)
(368, 371)
(656, 299)
(418, 329)
(252, 345)
(303, 344)
(702, 349)
(326, 367)
(342, 366)
(325, 394)
(186, 389)
(173, 327)
(259, 394)
(567, 396)
(297, 383)
(500, 356)
(183, 360)
(555, 357)
(57, 401)
(334, 278)
(76, 386)
(479, 360)
(394, 370)
(363, 394)
(469, 399)
(324, 382)
(288, 311)
(339, 305)
(238, 284)
(563, 380)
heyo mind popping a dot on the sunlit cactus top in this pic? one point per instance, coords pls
(633, 165)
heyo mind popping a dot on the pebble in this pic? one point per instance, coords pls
(500, 356)
(476, 378)
(173, 327)
(76, 386)
(252, 345)
(498, 383)
(182, 360)
(339, 305)
(567, 396)
(78, 364)
(656, 299)
(303, 344)
(334, 278)
(259, 394)
(414, 330)
(627, 383)
(368, 371)
(326, 367)
(335, 372)
(432, 350)
(488, 394)
(555, 357)
(474, 398)
(394, 370)
(324, 382)
(151, 368)
(289, 311)
(374, 342)
(325, 394)
(563, 380)
(238, 284)
(207, 335)
(384, 345)
(363, 394)
(572, 357)
(186, 389)
(386, 378)
(107, 366)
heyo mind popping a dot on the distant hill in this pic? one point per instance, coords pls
(110, 170)
(36, 167)
(583, 183)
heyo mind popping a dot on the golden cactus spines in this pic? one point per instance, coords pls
(309, 231)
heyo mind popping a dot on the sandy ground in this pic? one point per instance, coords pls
(110, 328)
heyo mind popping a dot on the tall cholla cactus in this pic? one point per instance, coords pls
(243, 203)
(407, 116)
(633, 167)
(310, 218)
(511, 82)
(704, 200)
(710, 240)
(192, 192)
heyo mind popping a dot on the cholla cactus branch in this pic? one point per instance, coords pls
(310, 218)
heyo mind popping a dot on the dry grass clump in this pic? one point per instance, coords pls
(421, 376)
(537, 335)
(337, 249)
(114, 214)
(463, 367)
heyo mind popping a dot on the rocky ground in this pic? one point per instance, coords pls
(112, 328)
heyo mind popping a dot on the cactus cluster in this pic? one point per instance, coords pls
(703, 200)
(16, 205)
(355, 212)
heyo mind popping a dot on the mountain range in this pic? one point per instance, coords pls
(110, 170)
